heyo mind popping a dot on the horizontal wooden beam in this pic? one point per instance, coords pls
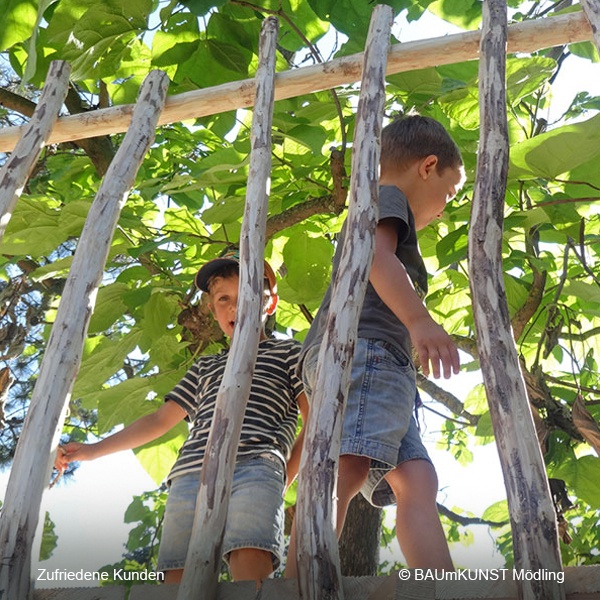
(526, 37)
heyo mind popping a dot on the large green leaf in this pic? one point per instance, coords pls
(101, 362)
(18, 18)
(158, 457)
(109, 307)
(463, 13)
(49, 538)
(556, 152)
(308, 262)
(583, 477)
(350, 16)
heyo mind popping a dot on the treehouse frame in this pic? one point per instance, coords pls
(46, 413)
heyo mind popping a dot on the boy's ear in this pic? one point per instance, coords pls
(428, 165)
(271, 304)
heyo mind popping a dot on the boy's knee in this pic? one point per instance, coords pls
(415, 480)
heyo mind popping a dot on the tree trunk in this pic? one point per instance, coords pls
(359, 544)
(533, 520)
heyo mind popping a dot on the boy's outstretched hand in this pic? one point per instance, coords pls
(434, 347)
(71, 452)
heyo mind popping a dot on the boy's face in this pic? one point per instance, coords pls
(223, 301)
(438, 189)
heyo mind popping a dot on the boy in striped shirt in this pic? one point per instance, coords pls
(267, 457)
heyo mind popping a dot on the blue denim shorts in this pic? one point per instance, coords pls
(378, 420)
(254, 519)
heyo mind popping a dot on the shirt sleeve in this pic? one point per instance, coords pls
(393, 205)
(185, 393)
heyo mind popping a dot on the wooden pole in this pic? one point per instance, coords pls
(16, 170)
(317, 548)
(45, 416)
(527, 36)
(535, 539)
(203, 562)
(591, 9)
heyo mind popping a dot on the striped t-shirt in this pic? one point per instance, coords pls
(271, 414)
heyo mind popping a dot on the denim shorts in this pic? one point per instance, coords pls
(254, 519)
(378, 419)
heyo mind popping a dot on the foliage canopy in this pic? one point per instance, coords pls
(186, 206)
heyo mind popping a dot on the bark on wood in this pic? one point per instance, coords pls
(205, 550)
(533, 521)
(16, 170)
(45, 416)
(527, 36)
(318, 561)
(359, 543)
(591, 8)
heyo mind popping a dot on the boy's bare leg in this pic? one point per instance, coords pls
(352, 473)
(250, 564)
(173, 576)
(418, 526)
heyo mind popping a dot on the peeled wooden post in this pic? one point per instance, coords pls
(319, 574)
(45, 416)
(591, 8)
(16, 170)
(533, 520)
(203, 562)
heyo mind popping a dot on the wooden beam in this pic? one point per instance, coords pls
(16, 170)
(528, 36)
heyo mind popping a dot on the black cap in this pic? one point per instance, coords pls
(231, 257)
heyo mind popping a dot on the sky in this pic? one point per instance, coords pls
(88, 511)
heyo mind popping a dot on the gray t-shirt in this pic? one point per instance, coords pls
(376, 319)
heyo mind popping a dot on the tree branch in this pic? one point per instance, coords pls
(461, 520)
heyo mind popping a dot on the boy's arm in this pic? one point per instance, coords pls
(393, 285)
(138, 433)
(293, 464)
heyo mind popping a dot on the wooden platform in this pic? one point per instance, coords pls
(581, 583)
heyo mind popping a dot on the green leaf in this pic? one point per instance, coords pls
(583, 477)
(463, 13)
(476, 400)
(177, 42)
(201, 7)
(452, 247)
(159, 314)
(308, 262)
(158, 457)
(585, 50)
(556, 152)
(497, 512)
(109, 307)
(18, 18)
(100, 362)
(585, 291)
(525, 76)
(49, 538)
